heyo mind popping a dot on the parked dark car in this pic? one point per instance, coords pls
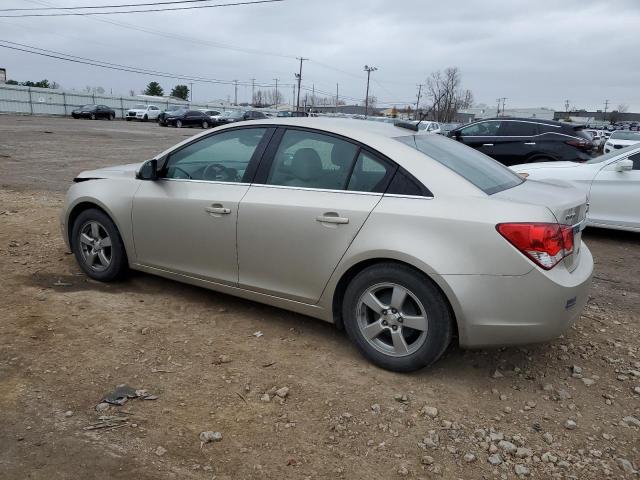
(94, 112)
(512, 141)
(290, 113)
(172, 109)
(237, 116)
(188, 118)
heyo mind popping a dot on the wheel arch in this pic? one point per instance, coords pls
(353, 270)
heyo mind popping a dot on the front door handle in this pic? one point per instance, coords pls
(332, 217)
(217, 209)
(487, 144)
(529, 143)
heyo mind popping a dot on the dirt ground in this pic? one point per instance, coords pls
(65, 341)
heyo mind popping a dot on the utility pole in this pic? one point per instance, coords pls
(253, 92)
(336, 98)
(498, 109)
(415, 116)
(367, 69)
(276, 93)
(235, 96)
(191, 92)
(293, 98)
(504, 99)
(299, 78)
(313, 95)
(566, 105)
(606, 105)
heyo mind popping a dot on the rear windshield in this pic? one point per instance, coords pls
(625, 136)
(482, 171)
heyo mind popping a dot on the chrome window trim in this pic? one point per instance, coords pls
(411, 197)
(309, 189)
(195, 180)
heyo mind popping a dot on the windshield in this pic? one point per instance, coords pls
(625, 136)
(88, 107)
(284, 114)
(139, 107)
(482, 171)
(613, 154)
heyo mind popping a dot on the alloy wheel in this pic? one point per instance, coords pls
(95, 246)
(392, 319)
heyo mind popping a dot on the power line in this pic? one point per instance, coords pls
(114, 66)
(82, 14)
(127, 5)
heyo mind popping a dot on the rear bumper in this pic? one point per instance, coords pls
(512, 310)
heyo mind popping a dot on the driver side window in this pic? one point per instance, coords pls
(636, 161)
(482, 129)
(223, 157)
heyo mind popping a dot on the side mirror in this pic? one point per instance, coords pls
(624, 165)
(149, 170)
(457, 135)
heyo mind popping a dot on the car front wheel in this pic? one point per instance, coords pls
(205, 124)
(97, 246)
(397, 317)
(178, 124)
(93, 116)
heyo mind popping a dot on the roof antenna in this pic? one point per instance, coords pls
(411, 126)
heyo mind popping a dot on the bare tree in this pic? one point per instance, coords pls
(443, 89)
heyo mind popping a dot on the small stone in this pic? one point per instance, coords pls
(403, 471)
(207, 437)
(548, 438)
(588, 381)
(469, 458)
(548, 457)
(375, 407)
(631, 421)
(563, 394)
(576, 372)
(144, 330)
(570, 425)
(521, 470)
(636, 390)
(523, 452)
(496, 436)
(282, 392)
(102, 407)
(265, 398)
(497, 374)
(224, 358)
(400, 397)
(625, 465)
(160, 451)
(507, 447)
(427, 460)
(429, 411)
(494, 459)
(68, 413)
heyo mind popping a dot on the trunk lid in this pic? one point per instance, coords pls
(568, 205)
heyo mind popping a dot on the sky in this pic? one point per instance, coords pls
(535, 53)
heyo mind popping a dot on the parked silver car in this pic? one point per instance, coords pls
(406, 240)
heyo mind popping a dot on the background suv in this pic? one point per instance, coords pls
(525, 140)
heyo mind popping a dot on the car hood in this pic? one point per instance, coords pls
(117, 171)
(525, 167)
(137, 110)
(616, 141)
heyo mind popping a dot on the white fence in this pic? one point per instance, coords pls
(46, 101)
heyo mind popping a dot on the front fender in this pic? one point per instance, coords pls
(114, 196)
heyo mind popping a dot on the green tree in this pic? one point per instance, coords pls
(154, 89)
(180, 91)
(41, 84)
(12, 82)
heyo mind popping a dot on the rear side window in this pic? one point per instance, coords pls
(636, 161)
(404, 183)
(518, 129)
(370, 174)
(479, 169)
(482, 129)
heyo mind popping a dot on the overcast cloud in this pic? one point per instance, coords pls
(535, 53)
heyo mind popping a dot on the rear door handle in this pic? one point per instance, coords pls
(487, 144)
(217, 210)
(332, 218)
(529, 143)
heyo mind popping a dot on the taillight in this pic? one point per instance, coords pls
(583, 144)
(544, 243)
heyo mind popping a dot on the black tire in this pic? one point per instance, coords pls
(162, 124)
(111, 116)
(145, 118)
(93, 116)
(118, 265)
(75, 116)
(205, 124)
(439, 320)
(178, 124)
(127, 118)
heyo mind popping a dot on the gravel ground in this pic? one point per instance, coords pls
(294, 402)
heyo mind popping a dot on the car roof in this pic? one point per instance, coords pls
(523, 119)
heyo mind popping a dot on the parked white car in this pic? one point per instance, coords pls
(621, 139)
(427, 127)
(611, 182)
(143, 113)
(597, 138)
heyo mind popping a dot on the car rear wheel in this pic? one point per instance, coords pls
(178, 123)
(97, 246)
(111, 116)
(93, 116)
(205, 124)
(397, 317)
